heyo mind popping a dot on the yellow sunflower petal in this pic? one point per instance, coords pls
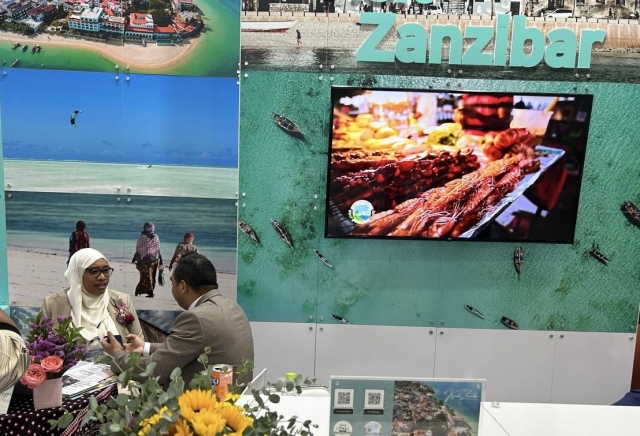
(180, 428)
(195, 400)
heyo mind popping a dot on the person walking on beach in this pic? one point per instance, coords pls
(78, 239)
(183, 248)
(147, 259)
(298, 38)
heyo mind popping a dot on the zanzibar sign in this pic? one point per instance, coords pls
(412, 45)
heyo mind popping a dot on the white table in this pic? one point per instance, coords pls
(509, 419)
(536, 419)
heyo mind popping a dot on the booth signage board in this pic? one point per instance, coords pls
(375, 406)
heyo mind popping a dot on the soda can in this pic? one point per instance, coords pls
(221, 378)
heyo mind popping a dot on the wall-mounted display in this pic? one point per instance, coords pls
(428, 164)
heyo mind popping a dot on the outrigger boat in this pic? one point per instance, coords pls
(15, 46)
(38, 48)
(14, 62)
(24, 48)
(33, 49)
(287, 125)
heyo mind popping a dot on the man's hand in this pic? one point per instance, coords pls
(134, 343)
(110, 344)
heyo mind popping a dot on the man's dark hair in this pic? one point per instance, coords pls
(197, 271)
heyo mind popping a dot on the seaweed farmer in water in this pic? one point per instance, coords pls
(78, 239)
(184, 247)
(147, 259)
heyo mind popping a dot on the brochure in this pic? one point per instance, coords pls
(86, 377)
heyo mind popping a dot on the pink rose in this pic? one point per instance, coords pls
(34, 376)
(51, 363)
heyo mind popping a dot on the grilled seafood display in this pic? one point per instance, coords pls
(508, 143)
(389, 185)
(451, 210)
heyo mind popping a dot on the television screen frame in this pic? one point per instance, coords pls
(386, 136)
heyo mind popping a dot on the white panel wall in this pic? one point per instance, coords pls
(592, 368)
(517, 365)
(284, 347)
(374, 351)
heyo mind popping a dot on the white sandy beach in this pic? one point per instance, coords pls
(34, 276)
(136, 56)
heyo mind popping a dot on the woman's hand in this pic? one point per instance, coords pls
(134, 343)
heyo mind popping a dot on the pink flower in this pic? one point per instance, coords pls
(51, 363)
(34, 376)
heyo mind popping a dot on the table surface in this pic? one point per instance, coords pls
(508, 419)
(22, 420)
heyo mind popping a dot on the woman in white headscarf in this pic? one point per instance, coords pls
(91, 303)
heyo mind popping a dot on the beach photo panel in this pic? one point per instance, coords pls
(161, 149)
(191, 38)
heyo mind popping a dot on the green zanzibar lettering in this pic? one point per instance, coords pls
(412, 46)
(414, 43)
(438, 34)
(474, 54)
(519, 36)
(367, 51)
(587, 38)
(561, 53)
(500, 44)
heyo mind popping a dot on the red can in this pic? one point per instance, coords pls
(221, 378)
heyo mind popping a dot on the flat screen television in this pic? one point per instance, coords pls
(455, 165)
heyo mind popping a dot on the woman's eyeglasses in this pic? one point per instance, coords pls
(95, 272)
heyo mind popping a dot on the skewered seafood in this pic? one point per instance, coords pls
(508, 142)
(387, 186)
(453, 209)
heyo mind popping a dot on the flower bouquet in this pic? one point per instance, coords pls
(53, 351)
(149, 410)
(124, 314)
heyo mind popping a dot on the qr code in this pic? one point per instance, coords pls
(374, 398)
(343, 398)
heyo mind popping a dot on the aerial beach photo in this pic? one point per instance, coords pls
(131, 39)
(115, 165)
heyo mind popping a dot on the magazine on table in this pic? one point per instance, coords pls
(86, 377)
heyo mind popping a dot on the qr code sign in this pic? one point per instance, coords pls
(374, 398)
(343, 398)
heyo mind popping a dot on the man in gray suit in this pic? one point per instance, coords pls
(209, 320)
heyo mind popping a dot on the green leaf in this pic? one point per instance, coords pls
(274, 398)
(122, 399)
(93, 402)
(115, 427)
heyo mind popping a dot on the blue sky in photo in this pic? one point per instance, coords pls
(150, 119)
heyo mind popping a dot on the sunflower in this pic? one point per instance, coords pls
(195, 400)
(180, 428)
(235, 418)
(207, 423)
(146, 424)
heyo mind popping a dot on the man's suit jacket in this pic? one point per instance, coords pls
(58, 305)
(214, 322)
